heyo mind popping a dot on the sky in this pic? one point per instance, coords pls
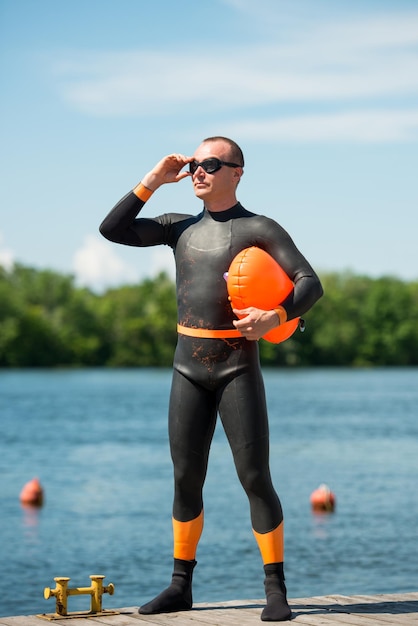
(321, 95)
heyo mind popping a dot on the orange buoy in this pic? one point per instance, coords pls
(323, 499)
(32, 493)
(256, 279)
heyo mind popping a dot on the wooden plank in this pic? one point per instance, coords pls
(324, 613)
(388, 608)
(360, 610)
(20, 620)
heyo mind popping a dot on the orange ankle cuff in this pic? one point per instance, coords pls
(271, 545)
(186, 537)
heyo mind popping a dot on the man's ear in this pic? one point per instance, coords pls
(238, 175)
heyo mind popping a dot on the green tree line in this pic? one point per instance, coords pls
(47, 321)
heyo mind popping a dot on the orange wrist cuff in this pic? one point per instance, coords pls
(143, 193)
(281, 314)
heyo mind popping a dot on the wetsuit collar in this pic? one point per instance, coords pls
(228, 214)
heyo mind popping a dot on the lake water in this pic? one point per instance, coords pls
(97, 440)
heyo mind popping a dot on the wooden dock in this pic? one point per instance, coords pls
(378, 610)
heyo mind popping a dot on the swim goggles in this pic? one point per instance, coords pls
(210, 165)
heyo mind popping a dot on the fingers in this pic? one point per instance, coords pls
(173, 164)
(246, 325)
(181, 157)
(168, 170)
(249, 332)
(177, 159)
(182, 175)
(254, 323)
(243, 312)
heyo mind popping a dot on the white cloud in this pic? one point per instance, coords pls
(162, 260)
(370, 126)
(355, 59)
(6, 255)
(97, 264)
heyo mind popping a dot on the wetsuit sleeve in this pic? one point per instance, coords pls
(308, 288)
(307, 291)
(121, 225)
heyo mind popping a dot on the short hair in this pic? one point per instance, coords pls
(237, 155)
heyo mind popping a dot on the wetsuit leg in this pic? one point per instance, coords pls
(192, 419)
(243, 413)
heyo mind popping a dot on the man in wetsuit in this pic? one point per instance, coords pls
(216, 364)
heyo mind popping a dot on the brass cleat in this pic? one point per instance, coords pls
(62, 591)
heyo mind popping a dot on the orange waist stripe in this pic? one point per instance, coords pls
(206, 333)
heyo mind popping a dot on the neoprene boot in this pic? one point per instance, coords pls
(277, 608)
(178, 596)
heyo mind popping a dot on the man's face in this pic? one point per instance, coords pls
(222, 183)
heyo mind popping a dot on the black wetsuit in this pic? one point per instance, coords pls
(216, 375)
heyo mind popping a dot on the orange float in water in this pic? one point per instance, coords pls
(323, 500)
(32, 493)
(256, 279)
